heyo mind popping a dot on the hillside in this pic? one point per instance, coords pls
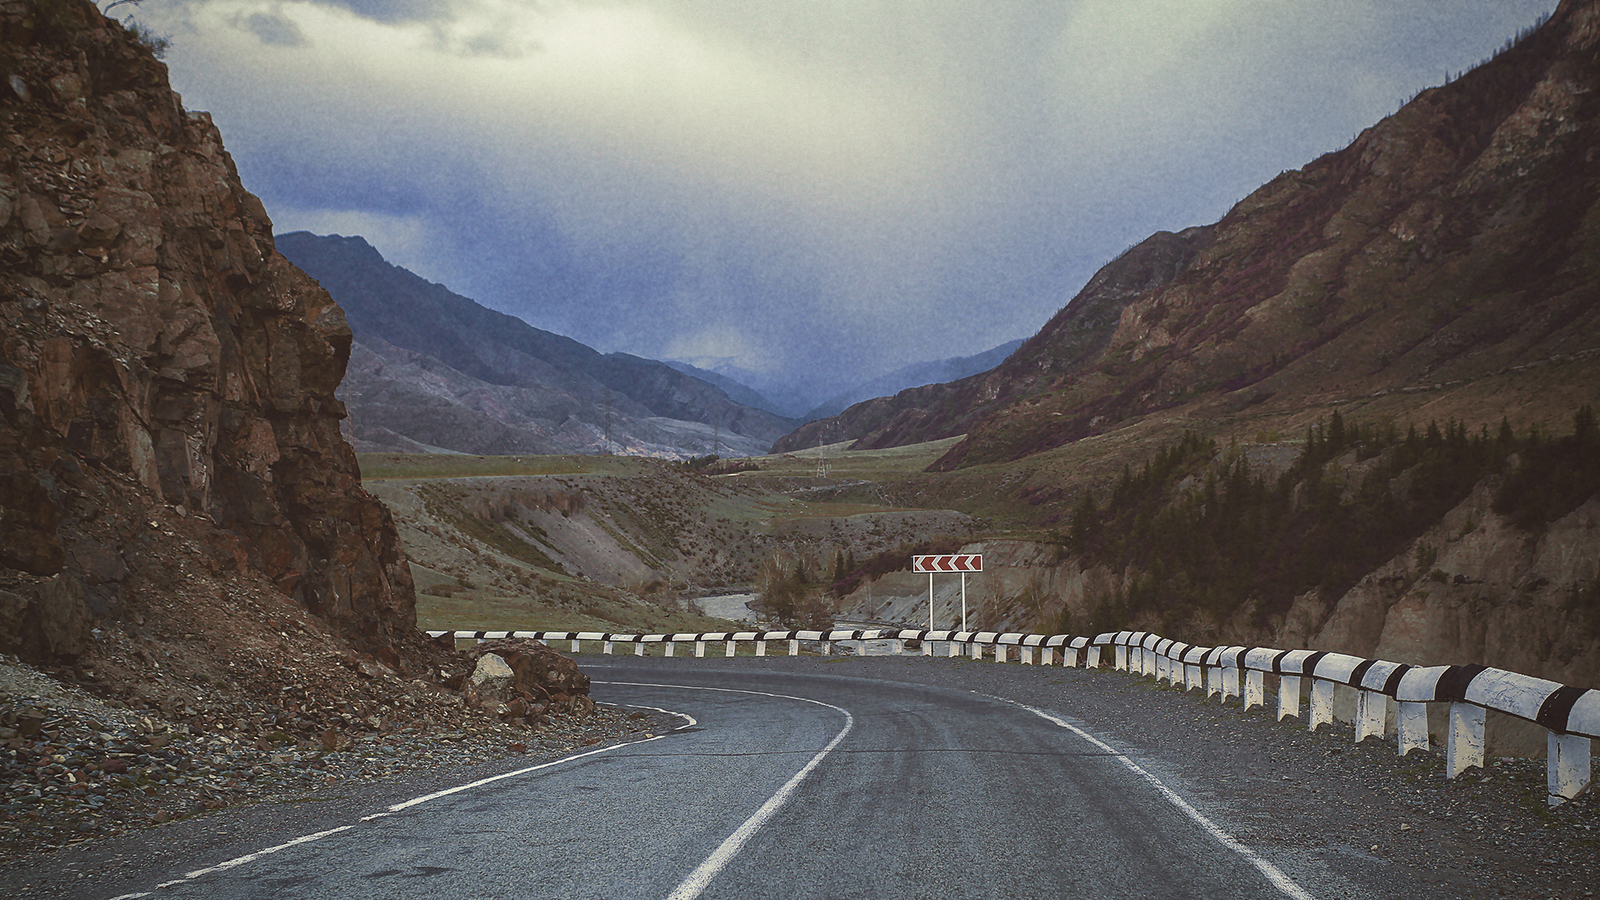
(1447, 260)
(434, 370)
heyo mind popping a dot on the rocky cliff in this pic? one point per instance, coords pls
(166, 377)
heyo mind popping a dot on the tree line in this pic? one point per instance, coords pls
(1203, 536)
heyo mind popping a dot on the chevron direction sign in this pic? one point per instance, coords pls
(950, 562)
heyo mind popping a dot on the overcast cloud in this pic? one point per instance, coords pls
(811, 189)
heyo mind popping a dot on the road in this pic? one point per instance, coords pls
(787, 784)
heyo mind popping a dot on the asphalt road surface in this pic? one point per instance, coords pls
(799, 783)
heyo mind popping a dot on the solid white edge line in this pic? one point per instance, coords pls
(308, 838)
(695, 883)
(1272, 873)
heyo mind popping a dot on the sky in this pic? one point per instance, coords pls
(811, 192)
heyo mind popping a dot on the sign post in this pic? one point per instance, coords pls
(950, 562)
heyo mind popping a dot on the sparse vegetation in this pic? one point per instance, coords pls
(1202, 536)
(786, 593)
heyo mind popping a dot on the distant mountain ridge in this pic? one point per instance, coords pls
(737, 391)
(433, 370)
(1446, 263)
(916, 375)
(1069, 342)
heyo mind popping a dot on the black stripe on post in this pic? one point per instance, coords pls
(1360, 670)
(1453, 683)
(1557, 707)
(1308, 666)
(1391, 686)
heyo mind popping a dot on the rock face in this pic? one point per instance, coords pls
(157, 352)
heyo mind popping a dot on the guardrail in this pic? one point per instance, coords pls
(1570, 715)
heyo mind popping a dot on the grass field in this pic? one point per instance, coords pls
(386, 466)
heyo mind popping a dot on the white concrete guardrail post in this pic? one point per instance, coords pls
(1568, 766)
(1372, 715)
(1464, 749)
(1411, 725)
(1288, 696)
(1464, 732)
(1418, 686)
(1321, 703)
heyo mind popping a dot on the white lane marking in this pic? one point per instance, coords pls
(690, 722)
(695, 883)
(1272, 873)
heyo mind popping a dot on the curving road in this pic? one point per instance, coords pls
(815, 781)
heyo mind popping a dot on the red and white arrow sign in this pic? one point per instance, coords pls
(951, 562)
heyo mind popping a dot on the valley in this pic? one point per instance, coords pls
(630, 543)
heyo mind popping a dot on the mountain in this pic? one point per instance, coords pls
(1068, 344)
(433, 370)
(916, 375)
(1445, 264)
(737, 391)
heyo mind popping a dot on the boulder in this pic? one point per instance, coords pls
(492, 679)
(541, 679)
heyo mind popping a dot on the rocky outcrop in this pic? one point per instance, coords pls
(1475, 590)
(157, 355)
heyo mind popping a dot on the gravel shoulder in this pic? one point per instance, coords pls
(82, 779)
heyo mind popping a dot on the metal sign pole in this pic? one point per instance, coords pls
(930, 601)
(963, 601)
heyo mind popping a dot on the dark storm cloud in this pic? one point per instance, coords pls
(819, 191)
